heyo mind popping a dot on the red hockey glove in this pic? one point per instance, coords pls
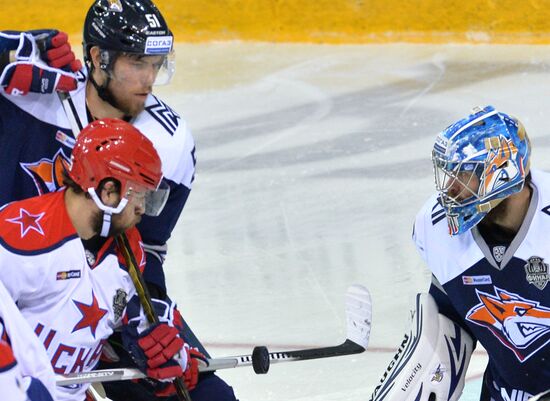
(194, 361)
(29, 73)
(160, 344)
(23, 78)
(190, 376)
(56, 51)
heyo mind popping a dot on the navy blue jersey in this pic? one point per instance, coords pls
(35, 137)
(499, 293)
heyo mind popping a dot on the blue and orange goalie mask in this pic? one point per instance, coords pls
(478, 162)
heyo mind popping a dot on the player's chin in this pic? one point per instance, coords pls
(136, 108)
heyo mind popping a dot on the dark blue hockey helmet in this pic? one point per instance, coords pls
(127, 26)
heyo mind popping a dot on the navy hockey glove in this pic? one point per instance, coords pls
(24, 66)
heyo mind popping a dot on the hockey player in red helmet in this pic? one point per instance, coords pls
(116, 149)
(70, 283)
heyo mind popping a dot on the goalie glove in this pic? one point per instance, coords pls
(33, 68)
(432, 360)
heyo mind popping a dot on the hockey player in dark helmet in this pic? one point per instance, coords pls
(127, 41)
(128, 48)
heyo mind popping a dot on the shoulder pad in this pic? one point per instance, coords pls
(36, 225)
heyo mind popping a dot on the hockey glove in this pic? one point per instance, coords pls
(56, 51)
(157, 346)
(195, 360)
(29, 72)
(156, 350)
(53, 46)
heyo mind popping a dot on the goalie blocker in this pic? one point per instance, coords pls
(431, 361)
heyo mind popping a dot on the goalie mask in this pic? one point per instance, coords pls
(114, 149)
(478, 162)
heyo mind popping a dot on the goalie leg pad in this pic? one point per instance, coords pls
(431, 363)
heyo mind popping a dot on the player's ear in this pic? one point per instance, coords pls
(95, 55)
(110, 192)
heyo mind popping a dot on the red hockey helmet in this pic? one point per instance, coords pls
(111, 148)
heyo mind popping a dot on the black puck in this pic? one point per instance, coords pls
(260, 360)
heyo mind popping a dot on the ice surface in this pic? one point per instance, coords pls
(312, 163)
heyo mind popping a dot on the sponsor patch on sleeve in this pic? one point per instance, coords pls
(68, 275)
(476, 280)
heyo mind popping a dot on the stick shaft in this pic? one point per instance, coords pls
(347, 348)
(146, 303)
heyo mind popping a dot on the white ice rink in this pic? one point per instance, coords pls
(312, 163)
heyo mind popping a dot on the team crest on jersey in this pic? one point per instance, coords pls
(537, 272)
(90, 257)
(520, 324)
(498, 253)
(47, 173)
(119, 303)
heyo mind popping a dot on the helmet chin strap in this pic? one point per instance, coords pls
(106, 224)
(107, 61)
(487, 206)
(103, 91)
(108, 211)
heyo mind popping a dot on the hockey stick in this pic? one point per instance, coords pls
(146, 302)
(358, 325)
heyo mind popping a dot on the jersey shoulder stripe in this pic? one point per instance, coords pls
(432, 239)
(172, 138)
(36, 225)
(163, 114)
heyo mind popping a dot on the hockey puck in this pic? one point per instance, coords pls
(260, 360)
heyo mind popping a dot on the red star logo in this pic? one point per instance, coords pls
(91, 315)
(28, 222)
